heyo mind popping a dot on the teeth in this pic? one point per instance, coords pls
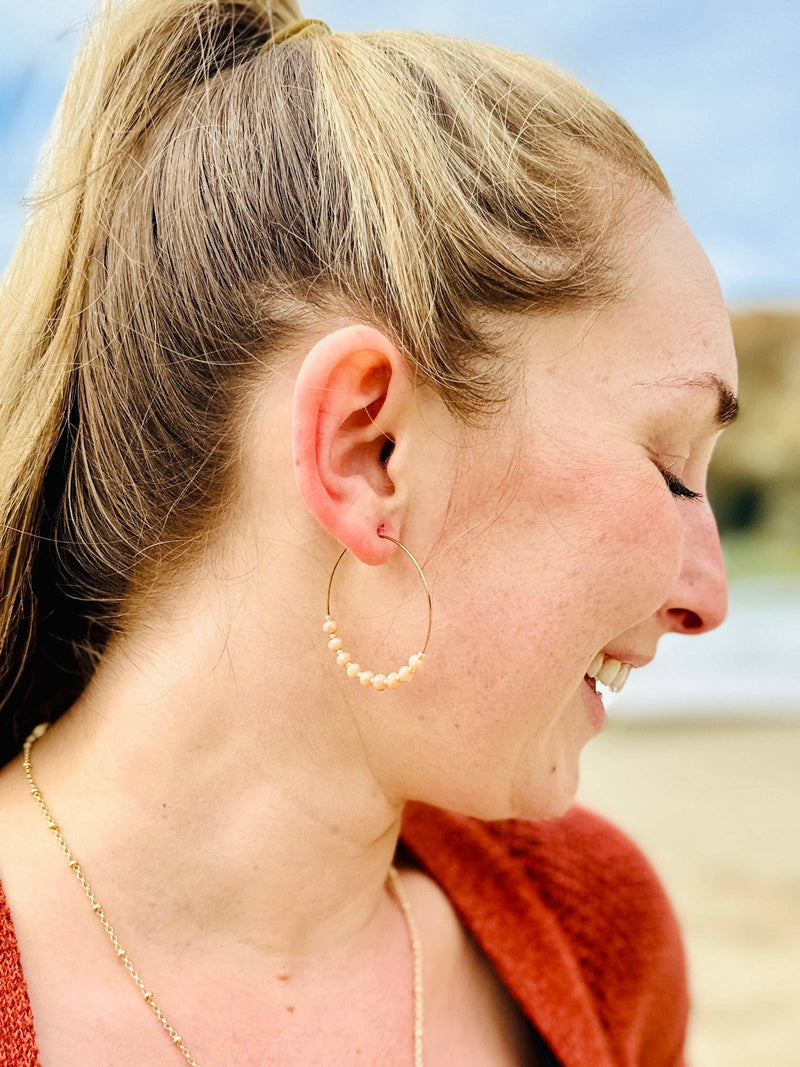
(621, 678)
(609, 671)
(595, 665)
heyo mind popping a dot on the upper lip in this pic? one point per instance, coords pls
(635, 659)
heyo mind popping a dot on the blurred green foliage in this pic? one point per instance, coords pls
(754, 481)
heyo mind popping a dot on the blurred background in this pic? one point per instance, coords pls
(700, 759)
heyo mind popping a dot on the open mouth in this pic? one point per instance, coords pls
(608, 671)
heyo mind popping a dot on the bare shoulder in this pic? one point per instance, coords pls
(17, 811)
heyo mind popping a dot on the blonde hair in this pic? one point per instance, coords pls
(206, 201)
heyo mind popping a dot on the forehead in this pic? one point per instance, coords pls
(673, 311)
(669, 327)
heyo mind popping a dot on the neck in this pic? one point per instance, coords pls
(243, 803)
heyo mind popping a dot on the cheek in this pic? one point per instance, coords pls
(572, 561)
(604, 549)
(638, 552)
(525, 593)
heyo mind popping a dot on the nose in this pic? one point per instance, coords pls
(699, 601)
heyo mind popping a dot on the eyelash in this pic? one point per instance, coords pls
(676, 486)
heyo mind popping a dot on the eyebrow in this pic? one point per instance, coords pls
(728, 404)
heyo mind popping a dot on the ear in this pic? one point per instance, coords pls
(350, 403)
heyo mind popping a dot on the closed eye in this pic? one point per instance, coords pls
(676, 486)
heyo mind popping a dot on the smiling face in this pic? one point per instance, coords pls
(573, 530)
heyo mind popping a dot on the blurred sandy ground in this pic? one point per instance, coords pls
(716, 806)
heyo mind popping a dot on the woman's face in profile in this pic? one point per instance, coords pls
(597, 543)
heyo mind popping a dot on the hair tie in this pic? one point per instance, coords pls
(301, 28)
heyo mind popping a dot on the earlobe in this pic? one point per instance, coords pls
(349, 403)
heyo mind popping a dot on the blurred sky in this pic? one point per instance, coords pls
(713, 87)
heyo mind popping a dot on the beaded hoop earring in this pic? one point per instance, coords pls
(379, 682)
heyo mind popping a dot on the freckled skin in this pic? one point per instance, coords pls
(562, 538)
(547, 535)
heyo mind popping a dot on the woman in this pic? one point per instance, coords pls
(297, 311)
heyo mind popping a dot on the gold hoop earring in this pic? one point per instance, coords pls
(379, 682)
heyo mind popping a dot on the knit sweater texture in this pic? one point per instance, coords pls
(568, 911)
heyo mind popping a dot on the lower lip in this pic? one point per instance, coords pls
(594, 704)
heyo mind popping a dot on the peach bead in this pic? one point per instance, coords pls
(329, 627)
(353, 670)
(379, 682)
(392, 681)
(342, 658)
(335, 644)
(405, 674)
(415, 661)
(365, 677)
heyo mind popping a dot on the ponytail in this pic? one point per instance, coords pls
(135, 67)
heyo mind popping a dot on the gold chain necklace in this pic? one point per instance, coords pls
(127, 962)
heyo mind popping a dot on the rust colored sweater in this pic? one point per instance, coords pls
(569, 912)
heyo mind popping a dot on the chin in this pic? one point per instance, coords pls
(539, 810)
(549, 797)
(543, 787)
(535, 802)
